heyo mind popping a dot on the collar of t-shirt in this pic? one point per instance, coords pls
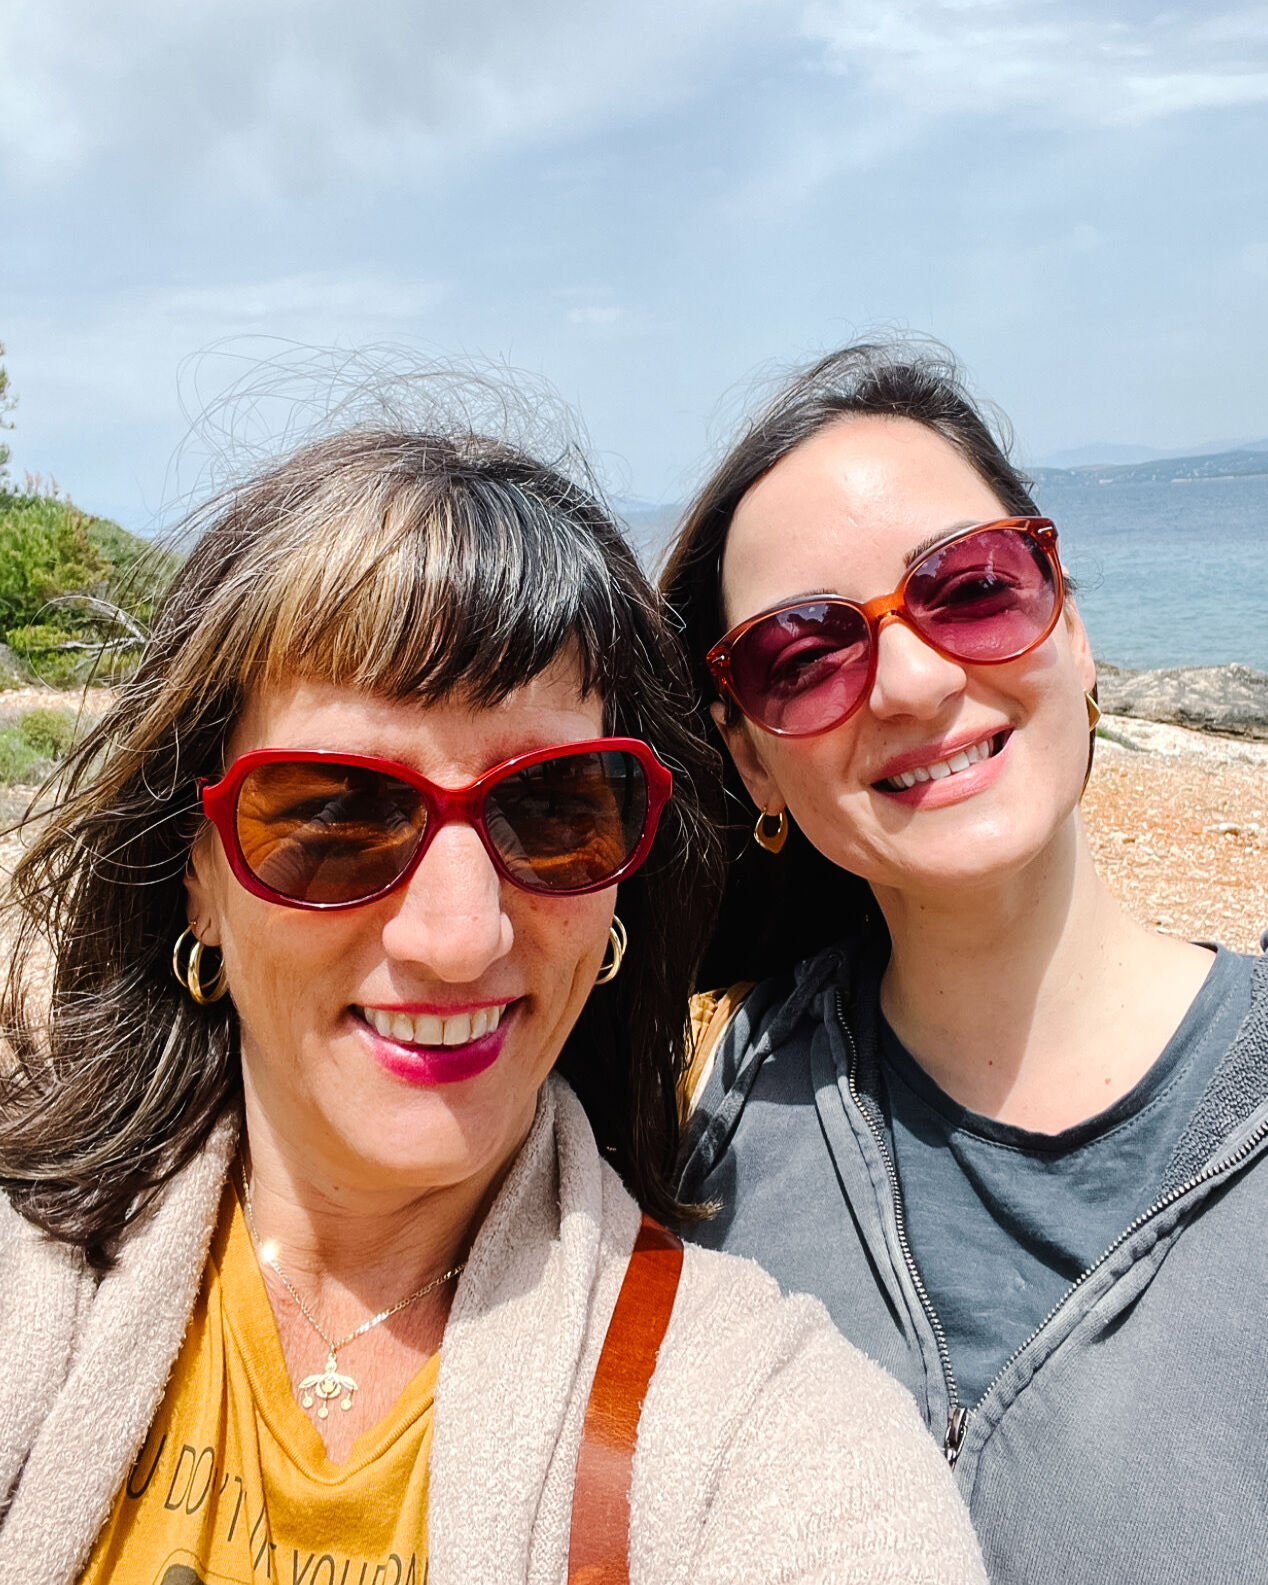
(1001, 1220)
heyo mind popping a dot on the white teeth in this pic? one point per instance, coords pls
(429, 1029)
(962, 759)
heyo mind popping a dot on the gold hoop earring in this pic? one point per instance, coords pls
(1093, 712)
(189, 978)
(619, 938)
(772, 841)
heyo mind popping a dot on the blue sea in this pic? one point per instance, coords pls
(1168, 574)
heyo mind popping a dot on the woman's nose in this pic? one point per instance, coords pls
(912, 678)
(448, 918)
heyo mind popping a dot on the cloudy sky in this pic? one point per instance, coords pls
(643, 203)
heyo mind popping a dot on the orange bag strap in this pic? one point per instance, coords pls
(599, 1549)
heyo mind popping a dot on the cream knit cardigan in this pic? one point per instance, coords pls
(769, 1448)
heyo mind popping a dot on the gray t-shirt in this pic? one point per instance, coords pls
(1001, 1221)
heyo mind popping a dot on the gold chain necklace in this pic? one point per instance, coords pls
(327, 1384)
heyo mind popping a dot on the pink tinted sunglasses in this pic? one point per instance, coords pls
(987, 595)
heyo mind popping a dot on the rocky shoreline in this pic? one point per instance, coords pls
(1231, 700)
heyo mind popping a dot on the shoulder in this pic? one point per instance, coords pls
(727, 1024)
(740, 1035)
(36, 1268)
(711, 1015)
(764, 1430)
(733, 1331)
(45, 1293)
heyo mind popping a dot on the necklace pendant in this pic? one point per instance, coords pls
(326, 1385)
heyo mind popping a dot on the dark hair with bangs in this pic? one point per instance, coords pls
(413, 566)
(779, 909)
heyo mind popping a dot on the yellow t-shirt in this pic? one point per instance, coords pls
(234, 1486)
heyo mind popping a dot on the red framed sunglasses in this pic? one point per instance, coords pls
(311, 828)
(984, 596)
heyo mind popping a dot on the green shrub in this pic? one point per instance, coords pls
(45, 551)
(33, 744)
(19, 762)
(51, 552)
(36, 648)
(35, 638)
(51, 732)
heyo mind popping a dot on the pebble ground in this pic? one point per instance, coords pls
(1179, 828)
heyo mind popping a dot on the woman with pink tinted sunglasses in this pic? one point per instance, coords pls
(333, 1148)
(1012, 1139)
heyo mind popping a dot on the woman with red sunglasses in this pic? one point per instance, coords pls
(1012, 1139)
(330, 1146)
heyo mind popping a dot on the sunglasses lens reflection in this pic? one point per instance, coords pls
(568, 822)
(327, 833)
(330, 833)
(803, 668)
(986, 598)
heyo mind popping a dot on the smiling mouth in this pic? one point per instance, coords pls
(431, 1029)
(962, 760)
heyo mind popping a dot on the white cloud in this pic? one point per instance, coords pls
(1049, 58)
(119, 357)
(289, 94)
(300, 305)
(597, 312)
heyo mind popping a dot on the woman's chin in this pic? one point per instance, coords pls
(986, 859)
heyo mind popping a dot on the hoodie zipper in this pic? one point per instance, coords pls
(958, 1415)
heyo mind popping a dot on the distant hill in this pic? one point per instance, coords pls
(1243, 463)
(1101, 454)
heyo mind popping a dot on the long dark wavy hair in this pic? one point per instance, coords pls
(777, 910)
(413, 566)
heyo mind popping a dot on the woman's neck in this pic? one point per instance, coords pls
(348, 1247)
(1037, 1001)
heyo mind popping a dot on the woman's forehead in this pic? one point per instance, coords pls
(316, 713)
(843, 511)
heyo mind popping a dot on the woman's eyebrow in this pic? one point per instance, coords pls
(917, 551)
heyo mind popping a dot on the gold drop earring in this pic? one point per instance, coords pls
(772, 841)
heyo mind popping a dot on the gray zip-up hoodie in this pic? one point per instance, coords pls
(1126, 1441)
